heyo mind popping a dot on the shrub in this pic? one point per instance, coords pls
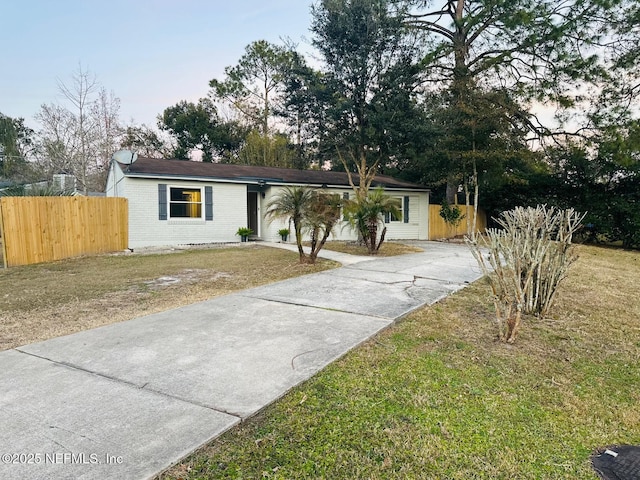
(452, 216)
(527, 259)
(366, 216)
(244, 232)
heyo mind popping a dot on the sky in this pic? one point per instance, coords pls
(150, 53)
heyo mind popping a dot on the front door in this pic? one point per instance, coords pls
(252, 212)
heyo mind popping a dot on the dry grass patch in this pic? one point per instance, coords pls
(388, 249)
(42, 301)
(436, 396)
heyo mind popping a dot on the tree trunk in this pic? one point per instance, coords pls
(452, 189)
(314, 253)
(298, 230)
(373, 237)
(382, 235)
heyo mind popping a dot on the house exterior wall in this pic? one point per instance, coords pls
(416, 229)
(270, 229)
(114, 180)
(230, 212)
(146, 229)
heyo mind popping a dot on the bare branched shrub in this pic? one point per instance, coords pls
(525, 261)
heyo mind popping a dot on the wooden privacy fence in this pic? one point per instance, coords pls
(438, 228)
(44, 229)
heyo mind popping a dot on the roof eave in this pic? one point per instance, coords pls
(252, 180)
(191, 178)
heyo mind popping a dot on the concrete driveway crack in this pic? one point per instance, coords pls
(125, 382)
(300, 354)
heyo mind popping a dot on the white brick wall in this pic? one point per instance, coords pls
(416, 229)
(230, 213)
(145, 229)
(270, 230)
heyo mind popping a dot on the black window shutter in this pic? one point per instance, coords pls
(405, 211)
(162, 201)
(387, 217)
(208, 203)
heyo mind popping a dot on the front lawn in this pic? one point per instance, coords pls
(47, 300)
(437, 397)
(387, 249)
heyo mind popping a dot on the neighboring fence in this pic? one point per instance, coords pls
(43, 229)
(438, 228)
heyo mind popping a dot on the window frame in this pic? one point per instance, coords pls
(170, 202)
(400, 219)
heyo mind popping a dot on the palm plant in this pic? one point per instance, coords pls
(292, 203)
(365, 215)
(320, 219)
(309, 211)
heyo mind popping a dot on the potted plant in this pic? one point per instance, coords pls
(284, 234)
(243, 233)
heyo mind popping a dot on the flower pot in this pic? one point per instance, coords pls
(244, 238)
(284, 237)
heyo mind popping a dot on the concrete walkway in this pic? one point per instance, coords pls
(128, 400)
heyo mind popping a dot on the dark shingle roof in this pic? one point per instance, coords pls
(152, 167)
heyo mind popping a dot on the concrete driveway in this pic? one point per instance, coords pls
(128, 400)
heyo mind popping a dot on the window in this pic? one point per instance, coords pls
(390, 217)
(403, 206)
(327, 205)
(185, 202)
(397, 218)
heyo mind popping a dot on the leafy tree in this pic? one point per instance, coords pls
(521, 180)
(146, 142)
(480, 135)
(606, 183)
(270, 151)
(253, 86)
(15, 142)
(367, 92)
(303, 109)
(536, 49)
(492, 59)
(198, 127)
(613, 101)
(600, 177)
(367, 214)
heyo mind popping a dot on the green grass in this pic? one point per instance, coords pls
(437, 397)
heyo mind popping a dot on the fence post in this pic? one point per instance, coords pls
(3, 238)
